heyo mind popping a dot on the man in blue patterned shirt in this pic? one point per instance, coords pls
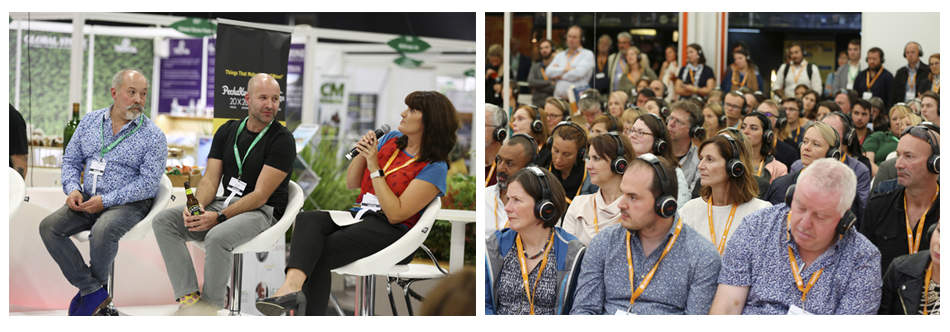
(840, 269)
(647, 264)
(122, 153)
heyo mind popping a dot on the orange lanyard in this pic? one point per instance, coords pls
(600, 64)
(735, 79)
(759, 172)
(594, 200)
(524, 268)
(870, 82)
(913, 79)
(646, 280)
(798, 278)
(712, 229)
(397, 168)
(936, 85)
(545, 76)
(930, 269)
(496, 215)
(692, 76)
(579, 187)
(913, 243)
(799, 74)
(630, 76)
(491, 171)
(570, 58)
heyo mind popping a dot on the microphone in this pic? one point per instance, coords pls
(382, 130)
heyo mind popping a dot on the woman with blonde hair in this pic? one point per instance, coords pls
(629, 117)
(883, 142)
(634, 72)
(616, 102)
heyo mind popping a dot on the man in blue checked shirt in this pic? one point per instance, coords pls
(122, 153)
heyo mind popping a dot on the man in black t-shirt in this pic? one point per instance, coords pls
(253, 159)
(19, 148)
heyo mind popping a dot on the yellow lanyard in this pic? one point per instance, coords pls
(570, 59)
(496, 215)
(524, 268)
(936, 86)
(761, 163)
(635, 293)
(913, 80)
(712, 229)
(491, 171)
(397, 168)
(735, 79)
(868, 79)
(791, 259)
(594, 200)
(799, 72)
(692, 77)
(930, 269)
(545, 76)
(913, 243)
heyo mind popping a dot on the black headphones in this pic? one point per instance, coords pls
(801, 108)
(501, 132)
(920, 49)
(590, 95)
(543, 209)
(536, 125)
(881, 52)
(734, 166)
(696, 130)
(659, 143)
(566, 114)
(664, 111)
(722, 118)
(781, 119)
(580, 149)
(835, 151)
(533, 143)
(933, 162)
(767, 134)
(619, 164)
(849, 131)
(736, 93)
(847, 219)
(613, 122)
(665, 205)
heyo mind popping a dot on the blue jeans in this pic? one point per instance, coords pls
(107, 227)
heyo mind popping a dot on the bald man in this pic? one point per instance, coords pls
(253, 158)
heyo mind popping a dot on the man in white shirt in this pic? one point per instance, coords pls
(797, 71)
(574, 66)
(616, 63)
(844, 78)
(515, 154)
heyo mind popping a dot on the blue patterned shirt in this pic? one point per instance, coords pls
(135, 166)
(757, 256)
(684, 283)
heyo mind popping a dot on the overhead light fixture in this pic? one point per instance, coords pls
(676, 36)
(643, 32)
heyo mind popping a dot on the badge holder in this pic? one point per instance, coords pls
(237, 189)
(97, 169)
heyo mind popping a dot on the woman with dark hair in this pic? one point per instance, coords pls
(912, 282)
(566, 151)
(757, 127)
(526, 264)
(531, 121)
(588, 214)
(695, 78)
(741, 73)
(725, 199)
(397, 176)
(810, 104)
(668, 70)
(826, 107)
(650, 135)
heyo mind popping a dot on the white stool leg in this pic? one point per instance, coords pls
(366, 296)
(235, 309)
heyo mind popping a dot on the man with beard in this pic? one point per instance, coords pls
(541, 85)
(861, 114)
(122, 153)
(617, 62)
(514, 155)
(574, 66)
(875, 81)
(797, 71)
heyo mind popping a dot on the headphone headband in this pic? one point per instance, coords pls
(665, 205)
(544, 209)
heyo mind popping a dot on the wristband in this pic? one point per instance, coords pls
(376, 174)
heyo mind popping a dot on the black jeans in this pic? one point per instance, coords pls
(319, 245)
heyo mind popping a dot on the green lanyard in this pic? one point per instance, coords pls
(237, 158)
(105, 149)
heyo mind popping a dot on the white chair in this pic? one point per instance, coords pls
(137, 232)
(416, 272)
(384, 261)
(262, 242)
(17, 192)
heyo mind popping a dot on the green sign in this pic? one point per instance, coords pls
(470, 73)
(408, 44)
(405, 62)
(195, 27)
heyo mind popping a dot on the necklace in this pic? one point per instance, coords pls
(539, 252)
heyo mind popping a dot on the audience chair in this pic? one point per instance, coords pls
(17, 192)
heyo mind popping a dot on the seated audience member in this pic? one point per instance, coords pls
(634, 72)
(685, 124)
(826, 107)
(879, 115)
(694, 78)
(616, 103)
(753, 98)
(699, 106)
(529, 120)
(603, 124)
(930, 107)
(514, 155)
(861, 115)
(714, 119)
(566, 146)
(644, 83)
(496, 131)
(643, 96)
(657, 106)
(911, 209)
(659, 89)
(714, 96)
(757, 128)
(820, 142)
(728, 191)
(775, 114)
(845, 99)
(453, 295)
(555, 111)
(649, 135)
(876, 80)
(912, 282)
(810, 105)
(743, 141)
(804, 256)
(607, 161)
(683, 266)
(887, 172)
(525, 265)
(741, 74)
(629, 117)
(883, 142)
(932, 81)
(795, 111)
(590, 105)
(735, 106)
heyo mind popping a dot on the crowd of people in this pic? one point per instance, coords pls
(673, 194)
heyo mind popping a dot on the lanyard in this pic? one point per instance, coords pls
(393, 157)
(913, 244)
(800, 70)
(496, 215)
(545, 76)
(579, 187)
(570, 59)
(912, 79)
(237, 155)
(491, 171)
(646, 280)
(798, 278)
(600, 64)
(692, 76)
(712, 229)
(868, 79)
(853, 74)
(930, 269)
(761, 163)
(735, 79)
(594, 200)
(524, 268)
(106, 148)
(630, 76)
(936, 85)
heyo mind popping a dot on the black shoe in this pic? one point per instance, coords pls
(276, 306)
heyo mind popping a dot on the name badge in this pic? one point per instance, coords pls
(795, 310)
(867, 95)
(98, 167)
(623, 313)
(237, 186)
(600, 75)
(850, 85)
(910, 96)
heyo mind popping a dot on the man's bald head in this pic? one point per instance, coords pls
(259, 79)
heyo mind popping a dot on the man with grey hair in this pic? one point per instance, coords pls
(253, 158)
(495, 134)
(591, 105)
(121, 153)
(804, 256)
(617, 62)
(517, 153)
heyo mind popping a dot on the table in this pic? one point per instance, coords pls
(458, 218)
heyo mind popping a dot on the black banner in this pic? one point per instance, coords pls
(241, 53)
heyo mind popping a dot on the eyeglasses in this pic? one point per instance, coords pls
(920, 132)
(552, 116)
(637, 133)
(675, 122)
(731, 106)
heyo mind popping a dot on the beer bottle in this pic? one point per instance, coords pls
(193, 206)
(71, 126)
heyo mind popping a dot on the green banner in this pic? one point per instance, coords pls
(114, 54)
(405, 62)
(195, 27)
(408, 44)
(44, 78)
(470, 73)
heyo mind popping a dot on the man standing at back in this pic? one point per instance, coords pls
(252, 159)
(617, 62)
(909, 77)
(796, 72)
(844, 78)
(542, 86)
(875, 81)
(574, 66)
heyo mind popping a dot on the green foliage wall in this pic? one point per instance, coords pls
(114, 54)
(45, 68)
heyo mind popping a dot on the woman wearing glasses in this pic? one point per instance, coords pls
(649, 135)
(555, 111)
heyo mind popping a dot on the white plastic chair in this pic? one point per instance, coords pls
(261, 242)
(137, 232)
(384, 261)
(17, 192)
